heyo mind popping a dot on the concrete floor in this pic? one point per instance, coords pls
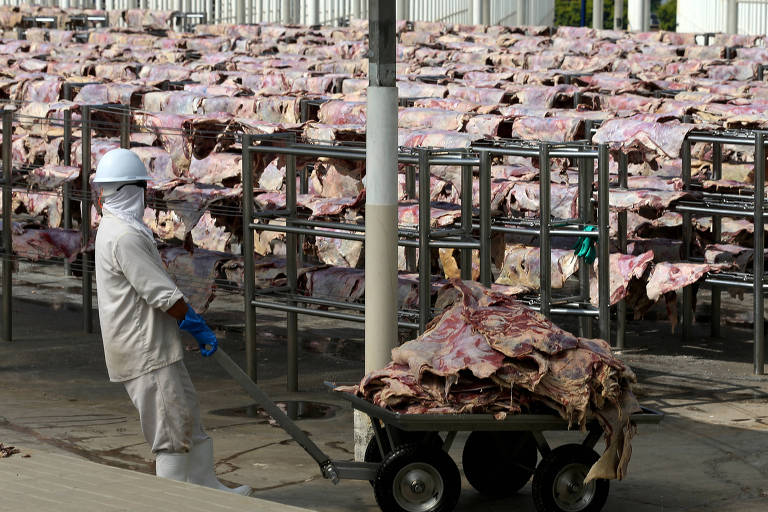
(710, 453)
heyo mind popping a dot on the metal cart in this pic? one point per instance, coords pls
(408, 465)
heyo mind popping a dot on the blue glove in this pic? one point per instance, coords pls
(585, 247)
(196, 326)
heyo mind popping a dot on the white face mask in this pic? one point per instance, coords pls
(128, 204)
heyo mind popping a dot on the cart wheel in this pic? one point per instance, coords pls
(510, 465)
(558, 483)
(417, 478)
(373, 454)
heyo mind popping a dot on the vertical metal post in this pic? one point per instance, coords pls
(66, 188)
(586, 174)
(603, 244)
(485, 218)
(249, 278)
(285, 12)
(759, 263)
(621, 307)
(425, 270)
(687, 236)
(486, 12)
(545, 249)
(597, 14)
(292, 272)
(410, 191)
(717, 173)
(401, 9)
(618, 15)
(466, 220)
(85, 218)
(356, 8)
(7, 223)
(125, 127)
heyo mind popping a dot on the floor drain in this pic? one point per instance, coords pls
(295, 409)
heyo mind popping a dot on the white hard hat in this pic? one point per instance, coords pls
(120, 166)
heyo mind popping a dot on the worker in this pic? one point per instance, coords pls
(141, 311)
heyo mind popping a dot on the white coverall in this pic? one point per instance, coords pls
(142, 343)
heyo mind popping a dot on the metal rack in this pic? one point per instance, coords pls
(717, 206)
(186, 21)
(473, 233)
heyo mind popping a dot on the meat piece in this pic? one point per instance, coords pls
(564, 199)
(663, 138)
(216, 168)
(550, 128)
(44, 244)
(52, 176)
(623, 269)
(521, 267)
(194, 273)
(667, 277)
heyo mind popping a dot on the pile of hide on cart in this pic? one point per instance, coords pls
(487, 353)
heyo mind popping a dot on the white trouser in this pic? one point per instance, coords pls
(168, 409)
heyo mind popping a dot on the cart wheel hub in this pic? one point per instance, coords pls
(569, 491)
(418, 487)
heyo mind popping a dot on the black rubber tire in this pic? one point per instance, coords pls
(499, 464)
(387, 487)
(573, 457)
(373, 454)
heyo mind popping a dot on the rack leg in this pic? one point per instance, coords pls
(687, 236)
(410, 192)
(759, 261)
(85, 216)
(249, 284)
(7, 228)
(292, 271)
(715, 313)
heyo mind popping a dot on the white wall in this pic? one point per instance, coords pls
(701, 16)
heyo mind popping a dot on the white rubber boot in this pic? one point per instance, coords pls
(201, 469)
(173, 466)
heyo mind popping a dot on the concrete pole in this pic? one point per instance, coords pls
(522, 13)
(314, 12)
(240, 11)
(732, 17)
(356, 8)
(618, 15)
(597, 14)
(477, 12)
(380, 203)
(64, 4)
(486, 12)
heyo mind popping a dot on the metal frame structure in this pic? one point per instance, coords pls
(474, 233)
(717, 205)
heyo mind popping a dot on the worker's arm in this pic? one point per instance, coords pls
(137, 260)
(178, 310)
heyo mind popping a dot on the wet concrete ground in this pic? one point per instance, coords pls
(710, 453)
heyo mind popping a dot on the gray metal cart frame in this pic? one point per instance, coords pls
(392, 429)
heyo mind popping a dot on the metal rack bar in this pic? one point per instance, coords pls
(66, 192)
(410, 191)
(466, 219)
(7, 332)
(621, 307)
(425, 256)
(687, 238)
(586, 176)
(545, 249)
(292, 337)
(759, 260)
(248, 248)
(603, 225)
(85, 218)
(485, 218)
(717, 173)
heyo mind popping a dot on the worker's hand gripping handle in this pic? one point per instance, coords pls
(196, 326)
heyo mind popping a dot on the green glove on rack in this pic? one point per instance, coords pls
(585, 247)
